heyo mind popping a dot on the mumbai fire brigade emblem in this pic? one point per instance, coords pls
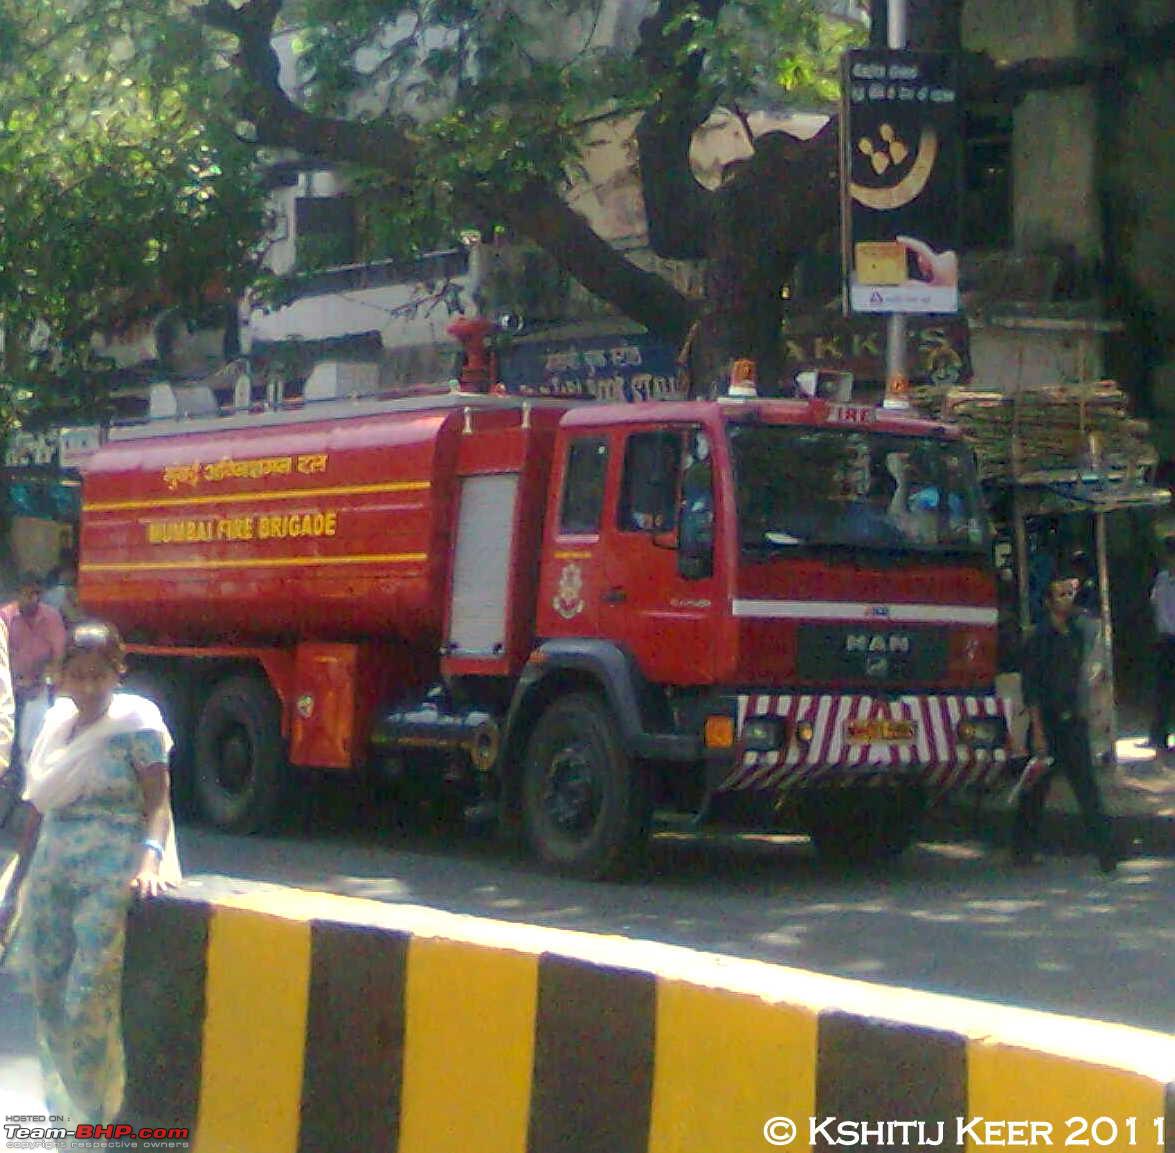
(568, 599)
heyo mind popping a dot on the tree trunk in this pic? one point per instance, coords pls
(781, 203)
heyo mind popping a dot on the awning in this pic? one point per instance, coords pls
(1043, 494)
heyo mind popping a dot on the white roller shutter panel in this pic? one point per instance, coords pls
(481, 566)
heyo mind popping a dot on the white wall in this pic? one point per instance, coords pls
(1054, 133)
(415, 312)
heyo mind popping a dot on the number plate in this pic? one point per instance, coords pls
(880, 729)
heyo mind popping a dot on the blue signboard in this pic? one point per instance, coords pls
(609, 368)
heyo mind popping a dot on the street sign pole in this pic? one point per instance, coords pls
(897, 379)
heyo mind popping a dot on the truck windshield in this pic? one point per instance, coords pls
(800, 487)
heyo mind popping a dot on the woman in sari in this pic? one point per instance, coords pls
(7, 707)
(98, 779)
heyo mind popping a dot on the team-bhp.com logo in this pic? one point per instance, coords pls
(44, 1132)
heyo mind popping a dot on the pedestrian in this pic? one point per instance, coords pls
(10, 789)
(1163, 606)
(1056, 660)
(36, 642)
(7, 707)
(61, 592)
(98, 783)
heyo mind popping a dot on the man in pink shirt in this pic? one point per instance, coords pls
(36, 644)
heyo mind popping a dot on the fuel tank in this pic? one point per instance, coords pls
(244, 531)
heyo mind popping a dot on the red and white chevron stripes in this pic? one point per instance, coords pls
(933, 756)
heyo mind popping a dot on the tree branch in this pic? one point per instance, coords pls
(536, 211)
(984, 79)
(790, 186)
(542, 216)
(279, 122)
(678, 208)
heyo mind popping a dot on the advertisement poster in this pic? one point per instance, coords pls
(901, 171)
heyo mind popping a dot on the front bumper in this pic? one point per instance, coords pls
(847, 739)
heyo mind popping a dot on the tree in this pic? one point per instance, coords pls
(123, 187)
(481, 114)
(472, 112)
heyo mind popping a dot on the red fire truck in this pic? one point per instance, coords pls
(578, 613)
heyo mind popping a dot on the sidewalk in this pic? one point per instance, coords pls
(20, 1073)
(1139, 794)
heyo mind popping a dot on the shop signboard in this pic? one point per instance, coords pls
(937, 348)
(901, 172)
(610, 368)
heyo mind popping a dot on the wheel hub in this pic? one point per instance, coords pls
(570, 794)
(235, 762)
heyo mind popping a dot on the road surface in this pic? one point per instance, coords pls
(950, 917)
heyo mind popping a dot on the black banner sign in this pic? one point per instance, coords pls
(901, 172)
(611, 368)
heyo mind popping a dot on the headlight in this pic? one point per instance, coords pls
(987, 732)
(763, 734)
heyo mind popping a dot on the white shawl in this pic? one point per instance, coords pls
(59, 768)
(7, 706)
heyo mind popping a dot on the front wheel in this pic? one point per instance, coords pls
(586, 805)
(240, 762)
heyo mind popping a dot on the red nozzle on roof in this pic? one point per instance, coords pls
(471, 332)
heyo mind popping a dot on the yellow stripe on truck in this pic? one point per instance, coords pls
(262, 496)
(260, 562)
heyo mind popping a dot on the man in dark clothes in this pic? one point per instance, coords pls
(1163, 604)
(1057, 699)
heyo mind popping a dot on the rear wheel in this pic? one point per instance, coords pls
(586, 805)
(240, 762)
(861, 826)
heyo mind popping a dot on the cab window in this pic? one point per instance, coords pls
(583, 486)
(697, 496)
(648, 493)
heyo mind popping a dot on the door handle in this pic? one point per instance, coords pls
(615, 596)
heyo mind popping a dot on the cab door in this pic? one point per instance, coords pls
(659, 598)
(572, 575)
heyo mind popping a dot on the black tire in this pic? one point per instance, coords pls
(240, 770)
(858, 827)
(586, 805)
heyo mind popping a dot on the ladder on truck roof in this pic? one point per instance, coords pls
(307, 410)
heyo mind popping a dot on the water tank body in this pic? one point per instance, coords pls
(325, 529)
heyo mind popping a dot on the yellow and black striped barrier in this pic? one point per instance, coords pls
(282, 1021)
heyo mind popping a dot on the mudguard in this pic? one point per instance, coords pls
(632, 699)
